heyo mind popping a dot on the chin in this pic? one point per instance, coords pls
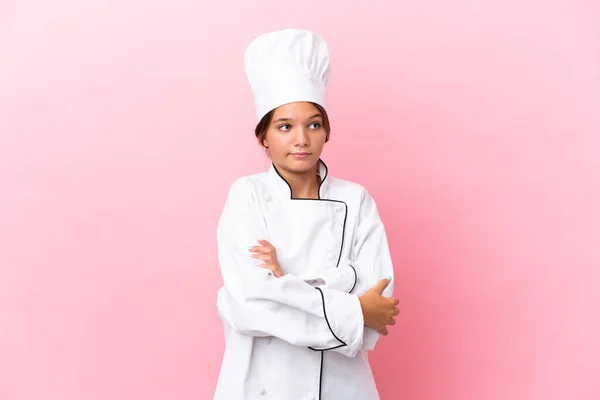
(301, 169)
(300, 166)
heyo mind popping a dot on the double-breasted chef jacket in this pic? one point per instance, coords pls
(301, 336)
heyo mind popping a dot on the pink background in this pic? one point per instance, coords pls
(474, 124)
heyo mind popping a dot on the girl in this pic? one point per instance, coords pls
(304, 256)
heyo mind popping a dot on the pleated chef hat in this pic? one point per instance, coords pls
(287, 66)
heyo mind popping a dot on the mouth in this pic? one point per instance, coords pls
(300, 155)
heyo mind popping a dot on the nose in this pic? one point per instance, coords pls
(301, 138)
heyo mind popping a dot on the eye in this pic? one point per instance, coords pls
(315, 125)
(284, 127)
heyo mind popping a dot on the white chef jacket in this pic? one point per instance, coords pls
(300, 336)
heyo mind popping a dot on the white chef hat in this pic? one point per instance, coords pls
(287, 66)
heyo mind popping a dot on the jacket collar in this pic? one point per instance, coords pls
(280, 186)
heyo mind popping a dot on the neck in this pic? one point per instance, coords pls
(304, 185)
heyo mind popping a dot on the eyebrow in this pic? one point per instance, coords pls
(289, 119)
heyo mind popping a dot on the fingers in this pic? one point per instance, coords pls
(262, 253)
(384, 331)
(267, 250)
(381, 285)
(393, 302)
(262, 257)
(266, 244)
(266, 253)
(273, 268)
(260, 249)
(378, 288)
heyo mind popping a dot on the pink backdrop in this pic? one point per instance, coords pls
(474, 124)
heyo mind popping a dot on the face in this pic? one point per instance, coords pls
(296, 137)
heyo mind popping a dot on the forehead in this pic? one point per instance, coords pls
(298, 110)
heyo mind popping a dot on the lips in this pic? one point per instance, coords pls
(300, 155)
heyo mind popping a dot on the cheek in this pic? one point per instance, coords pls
(323, 138)
(276, 142)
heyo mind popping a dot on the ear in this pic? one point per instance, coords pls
(265, 143)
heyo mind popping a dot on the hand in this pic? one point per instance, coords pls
(267, 253)
(379, 311)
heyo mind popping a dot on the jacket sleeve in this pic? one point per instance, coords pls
(255, 302)
(371, 258)
(370, 262)
(343, 278)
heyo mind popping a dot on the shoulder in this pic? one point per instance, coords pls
(356, 196)
(240, 201)
(244, 187)
(349, 188)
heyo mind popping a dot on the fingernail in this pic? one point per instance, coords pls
(389, 278)
(250, 247)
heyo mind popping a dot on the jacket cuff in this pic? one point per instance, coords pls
(342, 278)
(370, 338)
(345, 320)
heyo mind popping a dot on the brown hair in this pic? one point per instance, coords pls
(261, 129)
